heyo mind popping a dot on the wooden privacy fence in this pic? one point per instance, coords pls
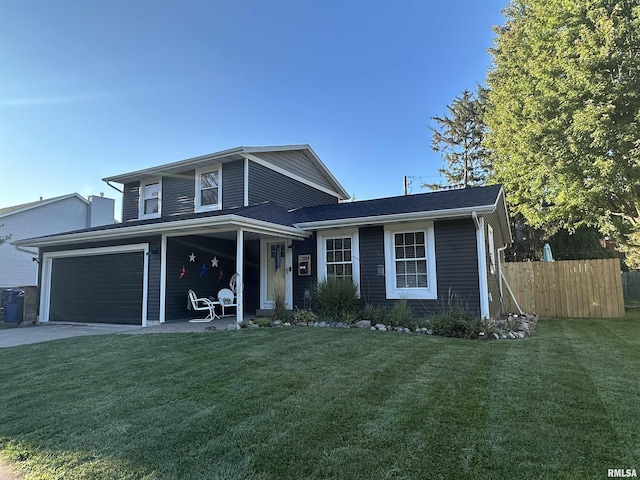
(572, 288)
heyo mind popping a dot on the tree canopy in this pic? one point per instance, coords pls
(564, 113)
(458, 139)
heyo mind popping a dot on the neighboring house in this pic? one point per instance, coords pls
(44, 217)
(262, 211)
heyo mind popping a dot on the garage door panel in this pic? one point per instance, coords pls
(103, 288)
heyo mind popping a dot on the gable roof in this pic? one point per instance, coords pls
(266, 217)
(231, 155)
(270, 218)
(6, 211)
(440, 204)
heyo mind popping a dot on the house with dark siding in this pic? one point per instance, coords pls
(256, 213)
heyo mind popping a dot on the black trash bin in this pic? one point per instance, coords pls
(13, 305)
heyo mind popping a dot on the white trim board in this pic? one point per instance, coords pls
(47, 263)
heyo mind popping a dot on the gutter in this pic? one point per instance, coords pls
(397, 217)
(187, 227)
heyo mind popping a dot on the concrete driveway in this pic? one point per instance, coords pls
(12, 337)
(43, 332)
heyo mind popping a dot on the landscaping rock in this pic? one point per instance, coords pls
(277, 323)
(233, 326)
(495, 336)
(363, 324)
(398, 329)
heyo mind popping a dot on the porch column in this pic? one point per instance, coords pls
(239, 272)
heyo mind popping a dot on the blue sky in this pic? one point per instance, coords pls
(93, 88)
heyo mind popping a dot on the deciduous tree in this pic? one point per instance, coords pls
(564, 113)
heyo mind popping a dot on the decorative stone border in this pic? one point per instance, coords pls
(508, 327)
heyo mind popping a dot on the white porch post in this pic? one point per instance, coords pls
(239, 270)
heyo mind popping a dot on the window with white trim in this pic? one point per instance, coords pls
(208, 189)
(150, 199)
(492, 251)
(338, 255)
(410, 269)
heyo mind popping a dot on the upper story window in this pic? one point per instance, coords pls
(208, 189)
(410, 267)
(150, 199)
(338, 255)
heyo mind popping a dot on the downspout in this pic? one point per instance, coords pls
(482, 266)
(112, 186)
(24, 250)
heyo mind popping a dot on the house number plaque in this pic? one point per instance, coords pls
(304, 265)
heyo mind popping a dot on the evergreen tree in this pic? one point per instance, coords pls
(458, 139)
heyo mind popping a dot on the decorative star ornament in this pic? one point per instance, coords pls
(203, 271)
(192, 257)
(183, 272)
(214, 262)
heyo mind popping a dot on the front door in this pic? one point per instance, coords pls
(276, 273)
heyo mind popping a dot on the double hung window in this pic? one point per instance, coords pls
(338, 255)
(208, 189)
(410, 261)
(150, 199)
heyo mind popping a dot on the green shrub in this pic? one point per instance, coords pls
(457, 322)
(402, 315)
(376, 314)
(336, 298)
(306, 316)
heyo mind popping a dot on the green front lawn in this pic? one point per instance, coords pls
(295, 403)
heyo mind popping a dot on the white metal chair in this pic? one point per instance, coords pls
(226, 298)
(202, 304)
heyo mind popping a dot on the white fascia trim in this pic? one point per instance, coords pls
(482, 267)
(392, 292)
(355, 252)
(246, 182)
(395, 218)
(180, 165)
(195, 225)
(323, 167)
(47, 263)
(143, 184)
(287, 173)
(208, 208)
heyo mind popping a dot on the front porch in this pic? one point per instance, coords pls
(206, 262)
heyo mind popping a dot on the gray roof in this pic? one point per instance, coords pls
(434, 205)
(440, 201)
(230, 155)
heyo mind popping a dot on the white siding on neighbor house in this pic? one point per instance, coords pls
(17, 268)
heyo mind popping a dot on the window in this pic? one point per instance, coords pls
(492, 251)
(410, 261)
(208, 189)
(339, 258)
(150, 199)
(338, 255)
